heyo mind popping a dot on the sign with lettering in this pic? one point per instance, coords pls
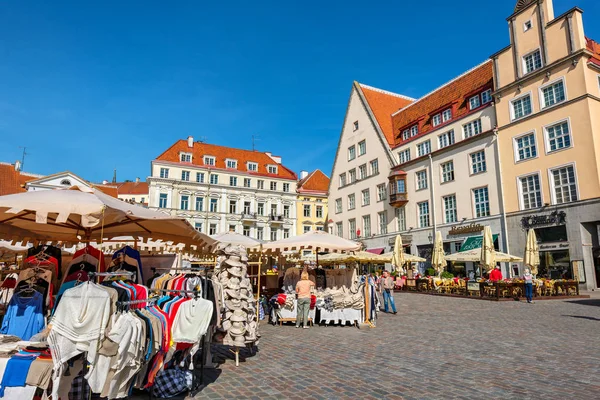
(553, 246)
(462, 229)
(537, 221)
(473, 286)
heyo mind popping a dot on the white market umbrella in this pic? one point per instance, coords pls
(474, 255)
(408, 258)
(438, 257)
(237, 239)
(398, 259)
(9, 251)
(488, 252)
(532, 253)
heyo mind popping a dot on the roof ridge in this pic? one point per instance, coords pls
(362, 85)
(442, 86)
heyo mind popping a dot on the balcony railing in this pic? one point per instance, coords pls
(277, 218)
(398, 199)
(249, 216)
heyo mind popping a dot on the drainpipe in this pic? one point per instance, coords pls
(501, 198)
(432, 192)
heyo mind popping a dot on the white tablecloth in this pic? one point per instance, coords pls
(342, 315)
(285, 313)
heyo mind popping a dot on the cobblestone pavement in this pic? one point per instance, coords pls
(435, 347)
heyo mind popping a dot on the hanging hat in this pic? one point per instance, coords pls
(232, 294)
(234, 261)
(237, 329)
(226, 325)
(235, 271)
(234, 283)
(238, 316)
(233, 304)
(245, 282)
(239, 341)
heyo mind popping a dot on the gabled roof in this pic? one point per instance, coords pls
(456, 91)
(132, 187)
(383, 104)
(12, 181)
(221, 154)
(107, 189)
(315, 182)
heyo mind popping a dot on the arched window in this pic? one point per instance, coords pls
(65, 182)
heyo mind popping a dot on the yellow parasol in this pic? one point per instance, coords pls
(488, 252)
(532, 253)
(398, 259)
(438, 257)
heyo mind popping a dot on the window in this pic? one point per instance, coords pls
(474, 102)
(273, 234)
(525, 147)
(486, 96)
(362, 171)
(162, 200)
(446, 115)
(260, 233)
(352, 175)
(404, 156)
(355, 125)
(405, 134)
(232, 164)
(214, 179)
(382, 217)
(65, 182)
(306, 228)
(208, 160)
(351, 201)
(450, 209)
(401, 218)
(199, 204)
(252, 166)
(472, 128)
(553, 94)
(286, 211)
(531, 193)
(362, 148)
(261, 209)
(198, 226)
(212, 229)
(339, 229)
(564, 185)
(366, 225)
(272, 169)
(260, 184)
(521, 107)
(185, 176)
(447, 171)
(532, 61)
(381, 192)
(527, 26)
(200, 177)
(338, 206)
(185, 157)
(421, 178)
(273, 209)
(307, 210)
(185, 202)
(343, 179)
(143, 200)
(436, 119)
(232, 206)
(247, 182)
(423, 148)
(400, 186)
(286, 233)
(374, 166)
(352, 228)
(558, 136)
(246, 231)
(247, 207)
(482, 202)
(232, 181)
(351, 153)
(319, 211)
(366, 197)
(231, 228)
(446, 139)
(273, 185)
(414, 130)
(286, 187)
(164, 173)
(478, 162)
(214, 205)
(423, 208)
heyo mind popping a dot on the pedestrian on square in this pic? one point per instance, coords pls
(496, 274)
(303, 290)
(386, 287)
(528, 278)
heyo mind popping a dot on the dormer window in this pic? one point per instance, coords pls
(209, 160)
(232, 164)
(185, 157)
(406, 132)
(436, 119)
(252, 166)
(474, 102)
(447, 115)
(486, 96)
(414, 130)
(272, 169)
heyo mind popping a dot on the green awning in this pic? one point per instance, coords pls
(474, 242)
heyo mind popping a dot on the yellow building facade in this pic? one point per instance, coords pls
(312, 202)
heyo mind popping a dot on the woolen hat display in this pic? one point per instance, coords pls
(234, 261)
(233, 304)
(237, 329)
(238, 316)
(235, 271)
(233, 294)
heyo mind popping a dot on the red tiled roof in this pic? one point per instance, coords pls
(132, 187)
(12, 181)
(594, 47)
(316, 181)
(383, 104)
(454, 94)
(109, 190)
(221, 153)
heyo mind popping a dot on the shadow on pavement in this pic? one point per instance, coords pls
(586, 302)
(583, 317)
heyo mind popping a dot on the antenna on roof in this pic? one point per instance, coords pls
(254, 139)
(23, 156)
(203, 139)
(114, 176)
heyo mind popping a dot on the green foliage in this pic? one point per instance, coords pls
(430, 272)
(447, 274)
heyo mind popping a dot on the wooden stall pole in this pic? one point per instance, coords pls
(258, 285)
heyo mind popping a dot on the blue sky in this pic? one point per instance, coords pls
(89, 88)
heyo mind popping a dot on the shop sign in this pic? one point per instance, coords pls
(406, 239)
(473, 286)
(537, 221)
(553, 246)
(475, 242)
(462, 229)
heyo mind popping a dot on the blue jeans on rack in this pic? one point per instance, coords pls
(388, 297)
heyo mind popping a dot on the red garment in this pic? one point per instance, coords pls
(173, 311)
(313, 301)
(281, 299)
(141, 293)
(93, 253)
(49, 262)
(495, 275)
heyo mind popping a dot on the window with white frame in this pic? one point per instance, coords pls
(214, 179)
(362, 148)
(558, 136)
(564, 184)
(400, 186)
(446, 139)
(198, 226)
(447, 171)
(478, 164)
(212, 230)
(199, 203)
(401, 218)
(521, 107)
(162, 200)
(232, 164)
(286, 187)
(406, 132)
(273, 234)
(482, 202)
(525, 147)
(185, 157)
(214, 205)
(352, 228)
(381, 192)
(306, 229)
(423, 148)
(532, 61)
(366, 225)
(447, 115)
(339, 229)
(351, 153)
(436, 119)
(421, 178)
(286, 211)
(286, 233)
(404, 156)
(260, 184)
(343, 179)
(351, 201)
(209, 160)
(450, 215)
(423, 209)
(319, 211)
(338, 206)
(232, 181)
(164, 173)
(252, 166)
(374, 166)
(553, 94)
(362, 171)
(273, 185)
(307, 210)
(527, 25)
(486, 96)
(185, 176)
(382, 216)
(531, 193)
(472, 128)
(247, 207)
(232, 206)
(474, 102)
(247, 182)
(260, 233)
(200, 177)
(352, 175)
(414, 130)
(260, 210)
(246, 231)
(272, 169)
(366, 197)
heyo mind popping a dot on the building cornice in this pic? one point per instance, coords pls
(564, 15)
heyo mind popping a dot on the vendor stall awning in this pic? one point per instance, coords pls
(377, 250)
(474, 242)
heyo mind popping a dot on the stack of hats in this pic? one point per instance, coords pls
(239, 321)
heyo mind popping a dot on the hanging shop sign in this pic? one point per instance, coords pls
(537, 221)
(554, 246)
(462, 229)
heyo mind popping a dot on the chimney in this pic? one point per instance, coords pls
(104, 182)
(17, 165)
(137, 180)
(303, 174)
(190, 141)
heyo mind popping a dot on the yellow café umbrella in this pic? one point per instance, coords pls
(532, 253)
(488, 252)
(438, 257)
(398, 259)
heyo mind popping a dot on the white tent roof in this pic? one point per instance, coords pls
(317, 240)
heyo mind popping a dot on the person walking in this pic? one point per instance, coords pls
(387, 286)
(528, 278)
(303, 290)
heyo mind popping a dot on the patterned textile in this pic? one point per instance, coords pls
(80, 390)
(329, 303)
(261, 312)
(172, 382)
